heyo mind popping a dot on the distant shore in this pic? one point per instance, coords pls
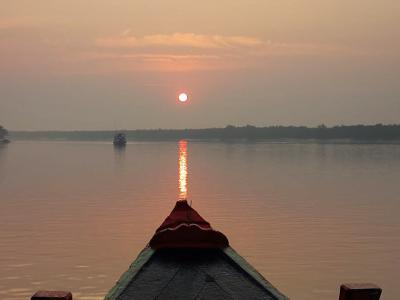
(376, 132)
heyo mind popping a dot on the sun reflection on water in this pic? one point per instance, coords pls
(183, 171)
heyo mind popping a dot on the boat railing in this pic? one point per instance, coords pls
(348, 291)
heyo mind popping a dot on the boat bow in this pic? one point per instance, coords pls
(185, 228)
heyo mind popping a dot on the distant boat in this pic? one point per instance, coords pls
(187, 259)
(119, 140)
(4, 141)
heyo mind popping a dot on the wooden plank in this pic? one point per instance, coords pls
(360, 291)
(129, 275)
(52, 295)
(191, 274)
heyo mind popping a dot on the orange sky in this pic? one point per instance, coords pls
(106, 64)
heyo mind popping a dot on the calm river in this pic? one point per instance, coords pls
(308, 216)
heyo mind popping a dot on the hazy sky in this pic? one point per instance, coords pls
(99, 64)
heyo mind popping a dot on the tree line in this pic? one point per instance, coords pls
(230, 132)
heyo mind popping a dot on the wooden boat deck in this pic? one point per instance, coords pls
(187, 259)
(192, 274)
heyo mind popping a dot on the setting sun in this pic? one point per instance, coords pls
(183, 97)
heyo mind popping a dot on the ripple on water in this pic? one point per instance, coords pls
(308, 216)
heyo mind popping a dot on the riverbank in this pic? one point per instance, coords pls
(370, 133)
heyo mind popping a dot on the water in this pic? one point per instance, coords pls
(73, 215)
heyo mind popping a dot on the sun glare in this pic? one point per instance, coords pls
(183, 97)
(183, 170)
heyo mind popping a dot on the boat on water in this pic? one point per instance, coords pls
(4, 141)
(187, 259)
(119, 139)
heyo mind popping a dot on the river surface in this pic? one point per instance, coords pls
(308, 216)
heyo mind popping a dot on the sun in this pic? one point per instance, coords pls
(183, 97)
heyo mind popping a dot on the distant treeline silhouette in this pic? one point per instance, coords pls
(248, 132)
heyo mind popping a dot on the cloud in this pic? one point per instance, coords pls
(221, 45)
(160, 62)
(190, 51)
(179, 40)
(24, 46)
